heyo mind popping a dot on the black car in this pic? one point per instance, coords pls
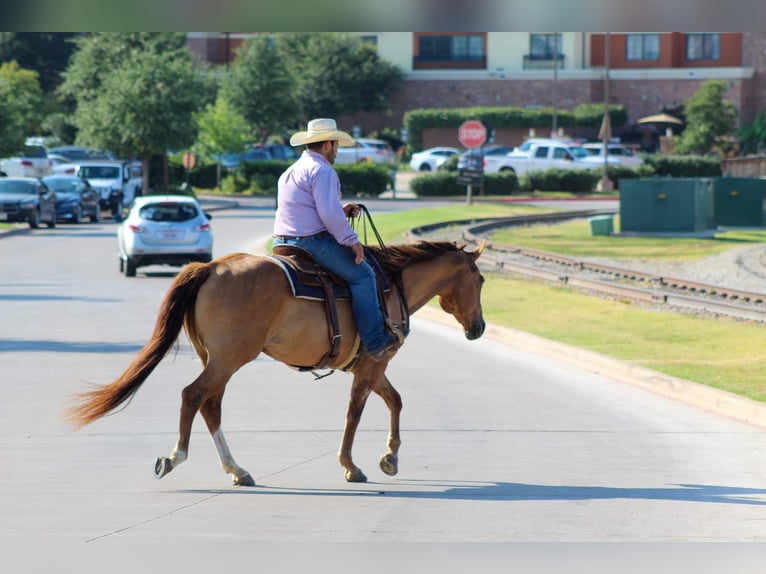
(75, 198)
(27, 199)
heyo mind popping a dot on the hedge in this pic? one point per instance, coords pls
(584, 115)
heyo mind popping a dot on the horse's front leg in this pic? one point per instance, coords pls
(365, 375)
(389, 462)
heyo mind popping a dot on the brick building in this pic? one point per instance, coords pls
(646, 72)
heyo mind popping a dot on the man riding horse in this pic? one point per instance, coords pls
(310, 215)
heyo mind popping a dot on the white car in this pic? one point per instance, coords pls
(366, 150)
(164, 230)
(431, 159)
(32, 161)
(616, 154)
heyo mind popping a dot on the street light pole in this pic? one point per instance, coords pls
(605, 184)
(555, 128)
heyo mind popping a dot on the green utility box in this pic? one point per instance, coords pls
(601, 224)
(666, 205)
(739, 201)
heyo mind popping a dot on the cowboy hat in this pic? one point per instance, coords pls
(321, 130)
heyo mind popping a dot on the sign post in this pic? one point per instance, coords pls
(188, 160)
(472, 134)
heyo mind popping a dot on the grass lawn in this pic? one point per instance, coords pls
(722, 353)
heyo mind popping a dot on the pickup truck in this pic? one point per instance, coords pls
(541, 157)
(32, 161)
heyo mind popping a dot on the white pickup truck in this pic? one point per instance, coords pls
(33, 161)
(542, 156)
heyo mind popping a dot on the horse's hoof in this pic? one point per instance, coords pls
(355, 476)
(389, 464)
(244, 480)
(162, 467)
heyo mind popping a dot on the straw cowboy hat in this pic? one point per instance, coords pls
(320, 130)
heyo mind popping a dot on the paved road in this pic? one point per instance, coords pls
(499, 444)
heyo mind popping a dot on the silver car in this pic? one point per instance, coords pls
(164, 230)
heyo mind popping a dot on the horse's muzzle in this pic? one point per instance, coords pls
(476, 330)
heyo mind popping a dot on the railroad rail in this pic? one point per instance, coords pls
(603, 279)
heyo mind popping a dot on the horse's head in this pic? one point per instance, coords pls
(462, 297)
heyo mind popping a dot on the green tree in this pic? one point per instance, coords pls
(20, 98)
(710, 119)
(337, 74)
(753, 136)
(136, 93)
(259, 88)
(47, 53)
(221, 130)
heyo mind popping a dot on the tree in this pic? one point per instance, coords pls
(20, 97)
(753, 136)
(337, 74)
(260, 88)
(221, 130)
(136, 94)
(47, 53)
(709, 120)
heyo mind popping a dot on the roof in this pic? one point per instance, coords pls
(170, 198)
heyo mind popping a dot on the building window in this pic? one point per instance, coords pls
(544, 46)
(642, 47)
(703, 47)
(450, 48)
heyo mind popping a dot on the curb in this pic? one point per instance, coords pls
(17, 231)
(707, 398)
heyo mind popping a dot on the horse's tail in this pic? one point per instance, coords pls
(179, 301)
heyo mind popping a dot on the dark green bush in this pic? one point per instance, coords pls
(574, 180)
(444, 184)
(363, 179)
(684, 165)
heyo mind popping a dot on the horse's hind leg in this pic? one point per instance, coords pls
(211, 412)
(204, 386)
(389, 462)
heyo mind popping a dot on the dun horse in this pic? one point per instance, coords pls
(241, 305)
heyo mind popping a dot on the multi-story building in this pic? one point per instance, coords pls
(646, 72)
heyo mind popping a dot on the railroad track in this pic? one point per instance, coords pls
(605, 280)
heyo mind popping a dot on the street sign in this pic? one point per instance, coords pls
(471, 177)
(188, 160)
(472, 134)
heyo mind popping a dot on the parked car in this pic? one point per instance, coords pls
(116, 181)
(366, 150)
(472, 158)
(76, 153)
(279, 151)
(27, 199)
(62, 165)
(32, 161)
(233, 160)
(164, 230)
(616, 153)
(432, 158)
(75, 198)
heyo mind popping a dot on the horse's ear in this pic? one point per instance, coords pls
(480, 249)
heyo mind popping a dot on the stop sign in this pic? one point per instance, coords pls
(472, 133)
(188, 160)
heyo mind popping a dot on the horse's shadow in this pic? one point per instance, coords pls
(513, 491)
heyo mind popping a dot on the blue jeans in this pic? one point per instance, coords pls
(361, 282)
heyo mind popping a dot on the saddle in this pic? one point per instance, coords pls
(309, 280)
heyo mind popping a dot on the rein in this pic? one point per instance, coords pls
(363, 221)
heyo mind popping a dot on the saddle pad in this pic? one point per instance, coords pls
(303, 291)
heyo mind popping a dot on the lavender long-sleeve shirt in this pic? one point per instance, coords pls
(309, 201)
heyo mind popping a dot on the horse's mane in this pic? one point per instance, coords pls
(395, 258)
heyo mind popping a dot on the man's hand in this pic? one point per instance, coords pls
(351, 209)
(358, 253)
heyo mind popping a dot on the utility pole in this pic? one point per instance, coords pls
(605, 184)
(555, 127)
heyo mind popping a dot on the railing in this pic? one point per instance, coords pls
(542, 62)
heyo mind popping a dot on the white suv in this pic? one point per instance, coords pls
(117, 182)
(366, 150)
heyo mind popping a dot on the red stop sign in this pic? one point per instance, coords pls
(472, 133)
(188, 160)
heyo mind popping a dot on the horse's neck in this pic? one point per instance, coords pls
(423, 281)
